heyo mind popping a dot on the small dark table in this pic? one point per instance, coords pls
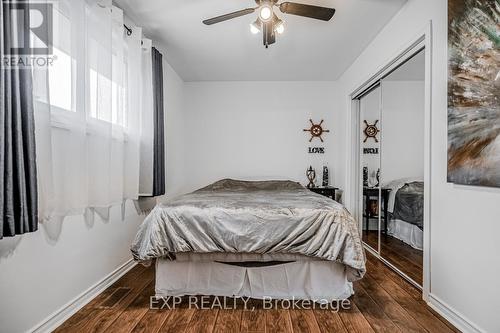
(370, 192)
(329, 191)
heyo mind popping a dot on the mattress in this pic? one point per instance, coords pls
(407, 233)
(317, 280)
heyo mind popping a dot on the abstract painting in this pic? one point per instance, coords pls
(474, 92)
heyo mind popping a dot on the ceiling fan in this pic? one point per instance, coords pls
(269, 23)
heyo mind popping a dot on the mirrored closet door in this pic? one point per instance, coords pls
(391, 127)
(369, 105)
(402, 164)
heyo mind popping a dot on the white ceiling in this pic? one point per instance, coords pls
(308, 50)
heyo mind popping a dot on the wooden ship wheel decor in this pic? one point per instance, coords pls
(316, 130)
(371, 131)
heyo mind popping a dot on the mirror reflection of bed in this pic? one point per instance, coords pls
(403, 243)
(392, 167)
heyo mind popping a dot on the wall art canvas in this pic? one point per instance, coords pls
(473, 92)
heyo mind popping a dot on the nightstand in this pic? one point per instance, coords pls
(329, 191)
(370, 192)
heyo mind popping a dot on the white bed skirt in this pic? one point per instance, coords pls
(406, 232)
(311, 280)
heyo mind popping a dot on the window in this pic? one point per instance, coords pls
(90, 80)
(87, 141)
(60, 73)
(60, 81)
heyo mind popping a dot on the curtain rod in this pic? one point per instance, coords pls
(129, 31)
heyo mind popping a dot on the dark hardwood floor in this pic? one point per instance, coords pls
(371, 238)
(384, 302)
(400, 254)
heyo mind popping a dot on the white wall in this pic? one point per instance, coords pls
(41, 272)
(254, 130)
(174, 130)
(464, 220)
(403, 110)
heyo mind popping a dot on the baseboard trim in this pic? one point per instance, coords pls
(453, 316)
(57, 318)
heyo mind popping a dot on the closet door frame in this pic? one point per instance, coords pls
(353, 178)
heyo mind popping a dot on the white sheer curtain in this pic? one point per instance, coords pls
(88, 110)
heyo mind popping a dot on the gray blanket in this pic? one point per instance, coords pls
(252, 217)
(409, 204)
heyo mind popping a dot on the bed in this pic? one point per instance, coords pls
(252, 238)
(406, 211)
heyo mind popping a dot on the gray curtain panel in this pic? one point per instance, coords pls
(159, 126)
(18, 182)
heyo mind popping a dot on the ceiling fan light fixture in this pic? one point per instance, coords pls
(265, 12)
(279, 26)
(256, 26)
(268, 22)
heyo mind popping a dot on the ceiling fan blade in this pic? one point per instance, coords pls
(315, 12)
(229, 16)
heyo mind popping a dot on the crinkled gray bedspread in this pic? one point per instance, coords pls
(409, 204)
(252, 217)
